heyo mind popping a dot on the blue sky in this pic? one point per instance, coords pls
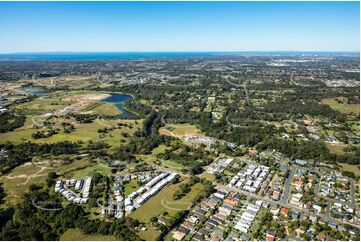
(179, 26)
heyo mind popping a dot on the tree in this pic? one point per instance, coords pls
(51, 178)
(280, 234)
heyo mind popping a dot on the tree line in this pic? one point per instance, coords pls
(9, 122)
(32, 223)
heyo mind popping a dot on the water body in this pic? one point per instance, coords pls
(5, 216)
(35, 90)
(119, 100)
(144, 55)
(101, 55)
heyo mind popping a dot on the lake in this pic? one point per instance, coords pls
(119, 100)
(34, 90)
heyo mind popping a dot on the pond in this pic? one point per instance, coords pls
(35, 90)
(5, 216)
(119, 100)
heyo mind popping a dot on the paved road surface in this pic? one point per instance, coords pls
(286, 205)
(283, 202)
(287, 185)
(352, 184)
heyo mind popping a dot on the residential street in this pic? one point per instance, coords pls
(287, 185)
(327, 218)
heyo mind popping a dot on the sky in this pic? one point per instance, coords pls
(179, 26)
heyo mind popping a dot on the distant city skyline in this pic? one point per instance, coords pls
(179, 26)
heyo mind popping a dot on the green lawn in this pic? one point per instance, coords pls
(26, 169)
(100, 168)
(130, 187)
(42, 106)
(63, 169)
(336, 149)
(104, 108)
(84, 132)
(257, 222)
(342, 107)
(17, 182)
(165, 163)
(352, 168)
(183, 129)
(172, 164)
(20, 178)
(77, 234)
(147, 158)
(150, 234)
(209, 176)
(163, 201)
(160, 149)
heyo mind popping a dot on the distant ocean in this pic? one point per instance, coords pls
(144, 55)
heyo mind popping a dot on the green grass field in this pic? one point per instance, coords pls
(77, 234)
(160, 149)
(17, 182)
(26, 169)
(182, 129)
(342, 107)
(336, 149)
(103, 108)
(165, 163)
(172, 164)
(352, 168)
(163, 201)
(147, 158)
(258, 222)
(130, 187)
(84, 132)
(72, 81)
(208, 176)
(42, 106)
(67, 169)
(100, 168)
(355, 127)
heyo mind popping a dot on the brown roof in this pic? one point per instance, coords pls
(276, 195)
(231, 201)
(321, 236)
(307, 122)
(284, 211)
(178, 235)
(198, 237)
(220, 216)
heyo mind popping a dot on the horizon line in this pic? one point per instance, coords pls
(181, 51)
